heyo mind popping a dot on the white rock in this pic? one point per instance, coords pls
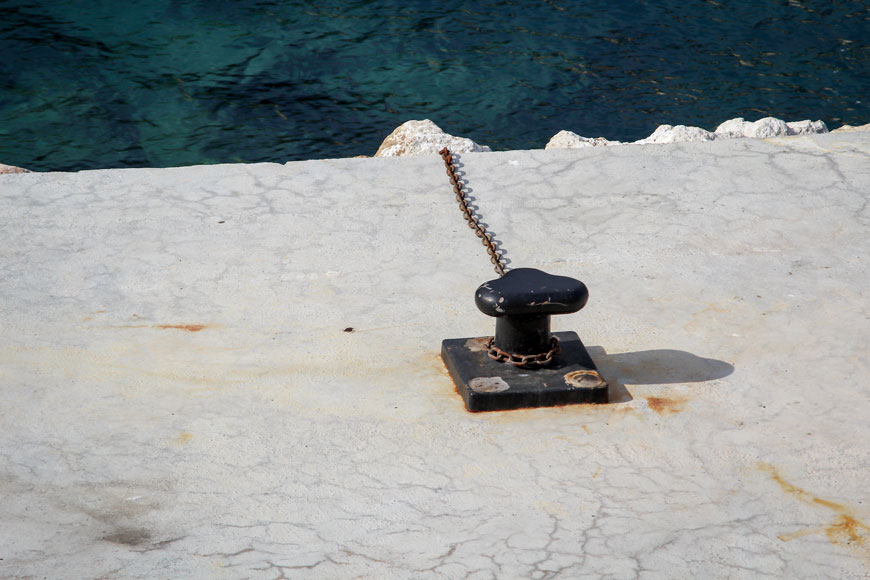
(851, 128)
(679, 133)
(733, 129)
(767, 127)
(806, 127)
(424, 137)
(12, 169)
(570, 140)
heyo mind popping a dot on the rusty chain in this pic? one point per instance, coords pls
(494, 352)
(473, 221)
(521, 360)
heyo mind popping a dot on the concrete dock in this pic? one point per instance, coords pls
(233, 371)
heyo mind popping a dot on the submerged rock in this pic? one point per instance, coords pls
(571, 140)
(12, 169)
(424, 137)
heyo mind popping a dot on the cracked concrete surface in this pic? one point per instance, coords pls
(183, 398)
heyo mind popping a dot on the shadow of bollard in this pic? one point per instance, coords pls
(654, 367)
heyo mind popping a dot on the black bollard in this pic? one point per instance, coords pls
(524, 364)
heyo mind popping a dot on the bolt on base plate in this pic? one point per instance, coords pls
(487, 385)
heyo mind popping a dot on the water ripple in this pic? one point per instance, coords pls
(166, 83)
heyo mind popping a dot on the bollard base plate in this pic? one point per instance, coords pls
(487, 385)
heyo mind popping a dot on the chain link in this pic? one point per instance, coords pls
(544, 358)
(473, 220)
(494, 352)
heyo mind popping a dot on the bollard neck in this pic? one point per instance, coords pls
(524, 334)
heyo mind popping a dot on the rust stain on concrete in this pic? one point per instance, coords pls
(666, 405)
(186, 327)
(846, 529)
(796, 491)
(800, 534)
(183, 437)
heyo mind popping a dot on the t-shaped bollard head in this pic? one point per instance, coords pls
(522, 301)
(527, 291)
(524, 365)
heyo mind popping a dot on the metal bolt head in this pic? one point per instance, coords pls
(585, 379)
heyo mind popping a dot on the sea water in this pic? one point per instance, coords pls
(167, 82)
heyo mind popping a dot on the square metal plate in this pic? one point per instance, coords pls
(487, 385)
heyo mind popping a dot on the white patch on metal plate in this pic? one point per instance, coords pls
(488, 385)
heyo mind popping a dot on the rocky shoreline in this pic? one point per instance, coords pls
(4, 169)
(424, 137)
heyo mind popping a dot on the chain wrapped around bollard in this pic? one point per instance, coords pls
(523, 364)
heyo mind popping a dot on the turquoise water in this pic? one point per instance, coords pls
(166, 83)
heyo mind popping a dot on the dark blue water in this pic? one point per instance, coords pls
(165, 83)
